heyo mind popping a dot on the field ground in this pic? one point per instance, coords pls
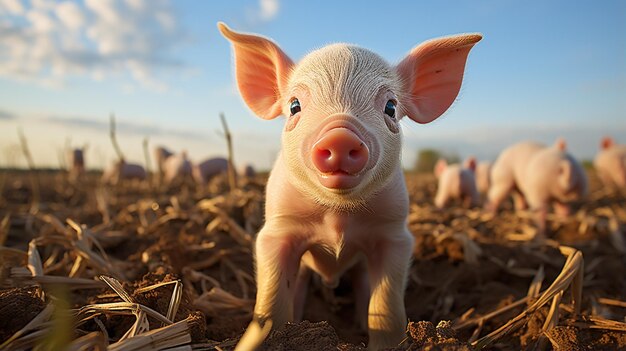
(471, 275)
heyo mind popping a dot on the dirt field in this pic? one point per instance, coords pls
(471, 275)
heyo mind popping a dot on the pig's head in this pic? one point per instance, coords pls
(341, 141)
(440, 167)
(470, 163)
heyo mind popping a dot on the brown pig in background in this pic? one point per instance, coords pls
(456, 181)
(336, 196)
(539, 175)
(610, 164)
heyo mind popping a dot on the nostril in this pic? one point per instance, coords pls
(354, 153)
(325, 153)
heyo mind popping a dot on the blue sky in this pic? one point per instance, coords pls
(544, 69)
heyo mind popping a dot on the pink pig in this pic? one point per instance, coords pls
(610, 164)
(176, 167)
(456, 182)
(121, 170)
(161, 154)
(483, 178)
(206, 170)
(336, 196)
(539, 175)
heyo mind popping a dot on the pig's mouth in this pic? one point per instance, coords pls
(339, 180)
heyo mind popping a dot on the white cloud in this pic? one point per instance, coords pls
(11, 6)
(50, 41)
(70, 15)
(269, 9)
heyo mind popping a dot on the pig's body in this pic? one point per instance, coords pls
(177, 168)
(541, 175)
(121, 170)
(456, 182)
(610, 164)
(76, 163)
(336, 196)
(483, 181)
(161, 154)
(204, 171)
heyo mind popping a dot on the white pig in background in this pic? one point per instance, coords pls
(456, 182)
(177, 168)
(204, 171)
(336, 196)
(121, 170)
(161, 154)
(76, 163)
(482, 174)
(610, 163)
(543, 175)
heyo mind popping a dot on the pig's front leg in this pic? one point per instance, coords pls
(388, 269)
(277, 258)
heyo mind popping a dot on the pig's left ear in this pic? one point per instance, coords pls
(432, 74)
(262, 69)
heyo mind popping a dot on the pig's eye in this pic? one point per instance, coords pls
(390, 109)
(294, 107)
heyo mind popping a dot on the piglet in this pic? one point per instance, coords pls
(336, 196)
(176, 168)
(456, 182)
(610, 164)
(540, 176)
(121, 170)
(161, 154)
(204, 171)
(482, 174)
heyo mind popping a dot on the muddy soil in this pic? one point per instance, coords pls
(467, 264)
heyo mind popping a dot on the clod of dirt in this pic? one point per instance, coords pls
(425, 336)
(24, 300)
(304, 336)
(575, 339)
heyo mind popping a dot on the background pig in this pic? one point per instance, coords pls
(336, 197)
(161, 154)
(121, 170)
(610, 163)
(205, 170)
(176, 168)
(542, 175)
(456, 182)
(482, 174)
(76, 163)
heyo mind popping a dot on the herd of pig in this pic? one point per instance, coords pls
(171, 168)
(537, 176)
(336, 198)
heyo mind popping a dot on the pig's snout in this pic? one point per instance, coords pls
(340, 155)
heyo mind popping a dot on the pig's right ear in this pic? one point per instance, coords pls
(432, 74)
(262, 69)
(606, 143)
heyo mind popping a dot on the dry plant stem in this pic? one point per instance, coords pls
(34, 178)
(146, 155)
(116, 146)
(570, 272)
(611, 302)
(4, 226)
(232, 173)
(175, 300)
(168, 337)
